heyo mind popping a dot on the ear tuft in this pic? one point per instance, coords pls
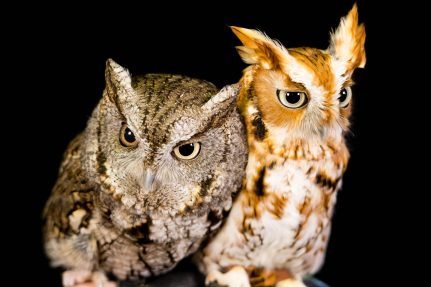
(348, 41)
(117, 78)
(221, 102)
(258, 48)
(116, 74)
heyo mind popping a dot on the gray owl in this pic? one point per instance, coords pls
(147, 181)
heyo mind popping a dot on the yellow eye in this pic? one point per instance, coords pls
(345, 96)
(127, 137)
(187, 151)
(293, 100)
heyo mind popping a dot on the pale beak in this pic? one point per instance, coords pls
(148, 179)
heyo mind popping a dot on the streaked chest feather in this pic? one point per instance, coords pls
(288, 200)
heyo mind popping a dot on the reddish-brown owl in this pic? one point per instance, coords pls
(296, 105)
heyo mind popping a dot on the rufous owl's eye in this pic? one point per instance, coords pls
(293, 100)
(127, 137)
(187, 151)
(345, 96)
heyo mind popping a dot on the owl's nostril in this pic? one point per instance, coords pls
(148, 179)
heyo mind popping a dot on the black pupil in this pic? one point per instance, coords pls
(293, 97)
(186, 149)
(343, 95)
(129, 136)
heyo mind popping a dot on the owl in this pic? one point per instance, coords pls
(296, 105)
(147, 181)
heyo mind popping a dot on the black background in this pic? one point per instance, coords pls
(59, 66)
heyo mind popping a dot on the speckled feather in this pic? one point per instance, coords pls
(104, 217)
(279, 226)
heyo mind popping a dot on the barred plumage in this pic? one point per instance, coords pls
(148, 180)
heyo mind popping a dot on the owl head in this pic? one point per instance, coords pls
(165, 143)
(304, 91)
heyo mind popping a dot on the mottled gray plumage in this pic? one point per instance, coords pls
(135, 208)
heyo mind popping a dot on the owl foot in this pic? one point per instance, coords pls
(235, 277)
(290, 283)
(85, 278)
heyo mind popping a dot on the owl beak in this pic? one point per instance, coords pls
(148, 179)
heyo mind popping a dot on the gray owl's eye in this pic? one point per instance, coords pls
(293, 100)
(345, 96)
(187, 151)
(127, 137)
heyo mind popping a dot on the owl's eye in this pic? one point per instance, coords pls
(293, 100)
(127, 137)
(345, 96)
(187, 151)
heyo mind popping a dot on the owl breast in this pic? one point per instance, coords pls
(148, 249)
(283, 214)
(293, 217)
